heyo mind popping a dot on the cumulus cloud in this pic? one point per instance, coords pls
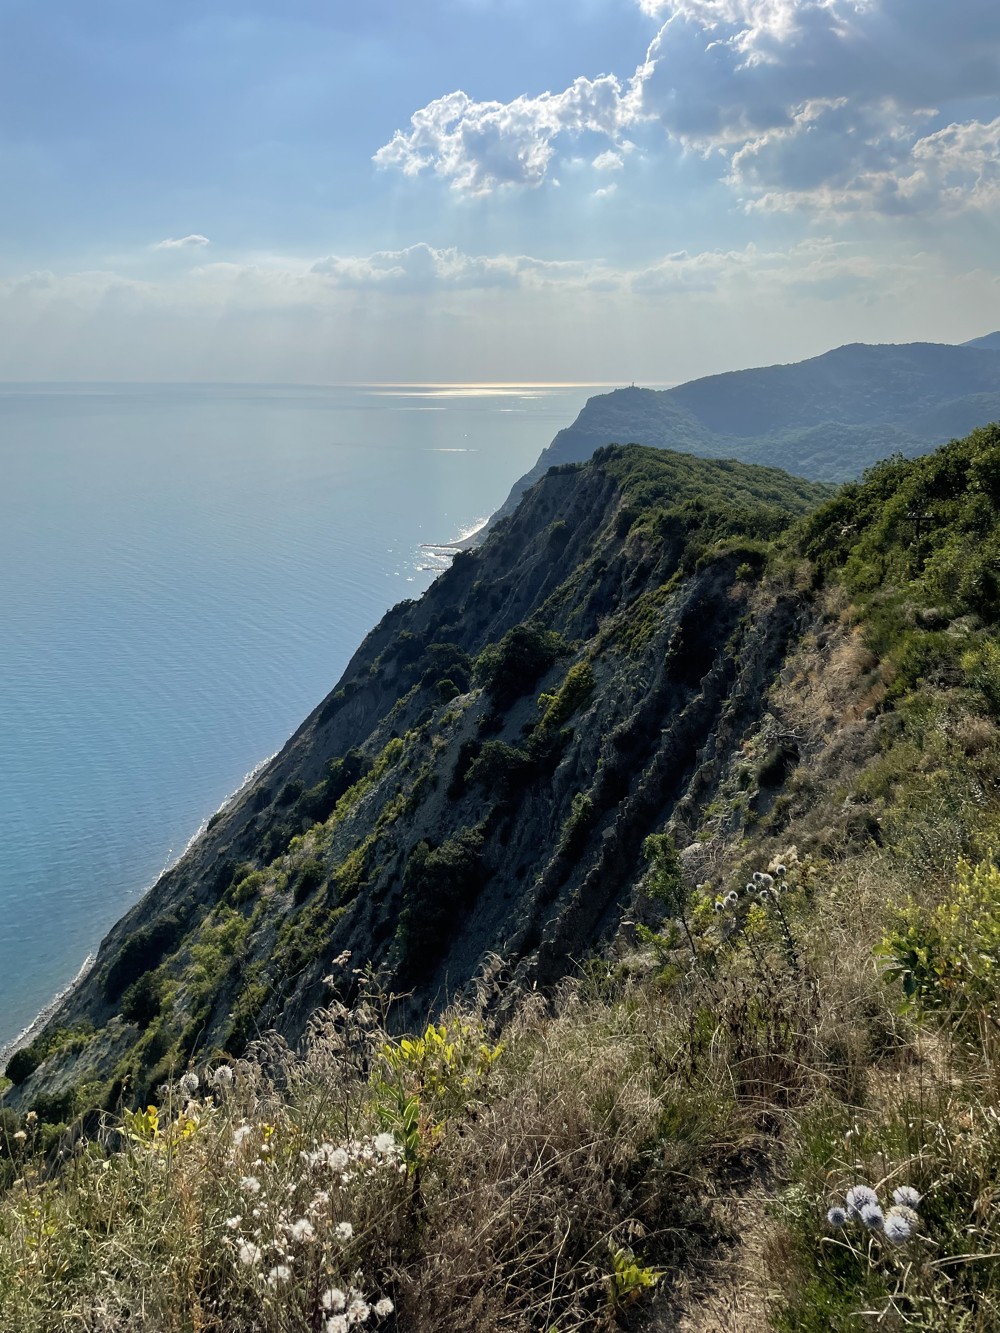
(192, 242)
(821, 104)
(483, 146)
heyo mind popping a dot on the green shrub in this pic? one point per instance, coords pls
(142, 951)
(510, 668)
(948, 955)
(499, 768)
(439, 886)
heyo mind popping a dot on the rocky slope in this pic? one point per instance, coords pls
(651, 642)
(480, 782)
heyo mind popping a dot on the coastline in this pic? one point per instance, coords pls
(464, 542)
(28, 1034)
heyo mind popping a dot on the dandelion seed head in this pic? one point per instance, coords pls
(907, 1214)
(336, 1324)
(780, 869)
(386, 1144)
(189, 1084)
(719, 905)
(233, 1222)
(221, 1079)
(344, 1231)
(358, 1311)
(836, 1217)
(751, 886)
(383, 1307)
(249, 1184)
(896, 1227)
(279, 1273)
(333, 1299)
(732, 897)
(250, 1253)
(239, 1135)
(302, 1230)
(907, 1196)
(765, 879)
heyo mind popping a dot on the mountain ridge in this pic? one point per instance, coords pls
(827, 418)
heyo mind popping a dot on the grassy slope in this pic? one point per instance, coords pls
(695, 1104)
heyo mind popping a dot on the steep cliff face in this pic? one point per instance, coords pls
(480, 782)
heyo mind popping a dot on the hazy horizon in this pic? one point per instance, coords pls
(492, 190)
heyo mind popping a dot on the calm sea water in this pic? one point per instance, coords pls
(185, 573)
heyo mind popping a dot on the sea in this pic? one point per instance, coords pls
(186, 571)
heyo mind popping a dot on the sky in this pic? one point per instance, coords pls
(318, 191)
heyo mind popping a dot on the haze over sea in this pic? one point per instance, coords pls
(187, 571)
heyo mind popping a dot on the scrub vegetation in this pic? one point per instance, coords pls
(764, 1097)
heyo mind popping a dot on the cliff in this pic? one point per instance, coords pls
(479, 783)
(684, 788)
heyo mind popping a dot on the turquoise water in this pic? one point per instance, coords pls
(185, 573)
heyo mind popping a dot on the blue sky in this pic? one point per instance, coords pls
(491, 189)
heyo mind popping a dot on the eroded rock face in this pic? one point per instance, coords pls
(480, 783)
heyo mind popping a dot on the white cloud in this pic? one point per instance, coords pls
(483, 146)
(609, 161)
(418, 268)
(194, 241)
(827, 105)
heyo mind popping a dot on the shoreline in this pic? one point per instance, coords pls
(27, 1035)
(41, 1019)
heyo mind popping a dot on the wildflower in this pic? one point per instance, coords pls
(764, 894)
(720, 906)
(907, 1214)
(189, 1084)
(872, 1216)
(385, 1144)
(757, 877)
(321, 1201)
(302, 1230)
(344, 1231)
(333, 1299)
(250, 1253)
(836, 1217)
(897, 1228)
(336, 1324)
(732, 898)
(21, 1136)
(240, 1134)
(751, 887)
(221, 1079)
(250, 1185)
(279, 1273)
(358, 1310)
(765, 879)
(233, 1222)
(384, 1307)
(858, 1196)
(780, 870)
(907, 1196)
